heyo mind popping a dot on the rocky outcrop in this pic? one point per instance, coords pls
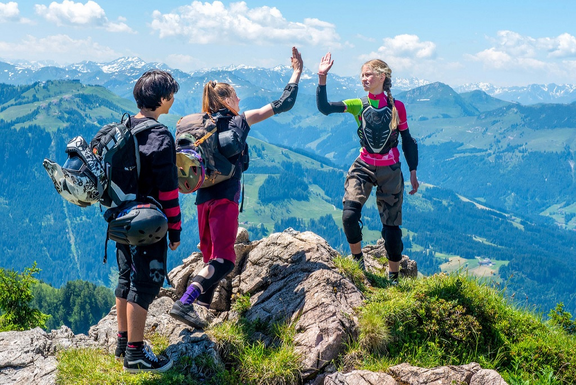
(28, 357)
(471, 374)
(373, 253)
(404, 374)
(289, 277)
(359, 377)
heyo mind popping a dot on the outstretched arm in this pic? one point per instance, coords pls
(324, 106)
(288, 97)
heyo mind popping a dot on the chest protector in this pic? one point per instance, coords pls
(374, 132)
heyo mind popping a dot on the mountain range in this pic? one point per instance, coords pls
(106, 73)
(475, 213)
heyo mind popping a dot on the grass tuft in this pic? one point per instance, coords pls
(457, 319)
(351, 270)
(241, 303)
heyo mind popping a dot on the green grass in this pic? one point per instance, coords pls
(456, 319)
(247, 359)
(445, 319)
(259, 362)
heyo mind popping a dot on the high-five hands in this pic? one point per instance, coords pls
(325, 64)
(296, 60)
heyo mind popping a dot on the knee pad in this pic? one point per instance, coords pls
(393, 242)
(205, 299)
(217, 271)
(351, 214)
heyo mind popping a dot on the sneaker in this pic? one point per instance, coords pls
(120, 348)
(188, 315)
(361, 263)
(144, 360)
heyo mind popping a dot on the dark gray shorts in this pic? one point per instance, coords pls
(389, 193)
(142, 270)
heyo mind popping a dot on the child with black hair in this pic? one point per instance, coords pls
(142, 269)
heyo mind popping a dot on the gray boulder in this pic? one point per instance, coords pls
(487, 377)
(444, 375)
(360, 377)
(28, 357)
(374, 253)
(291, 277)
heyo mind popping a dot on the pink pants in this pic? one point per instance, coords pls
(218, 225)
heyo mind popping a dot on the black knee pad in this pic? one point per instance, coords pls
(393, 242)
(351, 214)
(221, 270)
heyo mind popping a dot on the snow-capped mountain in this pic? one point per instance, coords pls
(118, 75)
(531, 94)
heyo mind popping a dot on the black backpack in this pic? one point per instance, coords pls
(117, 146)
(374, 132)
(200, 133)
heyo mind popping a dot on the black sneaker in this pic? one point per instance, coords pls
(144, 360)
(361, 263)
(120, 348)
(188, 315)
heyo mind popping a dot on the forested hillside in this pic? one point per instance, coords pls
(295, 186)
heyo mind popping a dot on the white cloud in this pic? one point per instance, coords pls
(365, 38)
(183, 62)
(513, 51)
(10, 12)
(57, 48)
(543, 59)
(406, 54)
(561, 46)
(118, 26)
(408, 46)
(207, 23)
(90, 14)
(70, 13)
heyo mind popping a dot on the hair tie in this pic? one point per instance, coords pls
(213, 83)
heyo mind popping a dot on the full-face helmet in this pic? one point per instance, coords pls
(138, 224)
(191, 170)
(81, 180)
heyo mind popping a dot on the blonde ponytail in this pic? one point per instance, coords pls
(214, 95)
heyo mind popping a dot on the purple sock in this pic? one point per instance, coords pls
(190, 295)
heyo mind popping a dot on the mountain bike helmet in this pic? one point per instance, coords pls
(138, 225)
(191, 170)
(81, 180)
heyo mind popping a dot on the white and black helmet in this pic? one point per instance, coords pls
(138, 224)
(81, 180)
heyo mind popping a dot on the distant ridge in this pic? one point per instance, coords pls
(18, 72)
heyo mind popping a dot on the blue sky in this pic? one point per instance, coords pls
(455, 42)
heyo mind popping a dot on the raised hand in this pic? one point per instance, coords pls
(296, 60)
(325, 64)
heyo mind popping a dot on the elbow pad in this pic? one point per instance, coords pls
(287, 100)
(324, 106)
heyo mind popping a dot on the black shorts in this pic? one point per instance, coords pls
(142, 270)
